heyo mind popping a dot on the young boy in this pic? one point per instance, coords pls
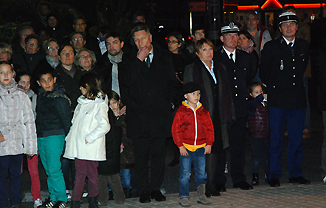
(193, 133)
(258, 130)
(53, 121)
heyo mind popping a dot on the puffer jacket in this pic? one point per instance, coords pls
(53, 114)
(90, 122)
(192, 127)
(258, 118)
(17, 121)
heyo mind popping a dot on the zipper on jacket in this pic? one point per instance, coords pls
(195, 126)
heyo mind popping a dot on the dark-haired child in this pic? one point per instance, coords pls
(23, 78)
(193, 133)
(86, 138)
(17, 135)
(53, 120)
(258, 130)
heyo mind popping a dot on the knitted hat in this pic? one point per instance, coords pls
(191, 87)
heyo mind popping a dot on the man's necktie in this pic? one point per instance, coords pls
(231, 57)
(148, 61)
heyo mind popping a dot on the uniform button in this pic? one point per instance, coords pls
(293, 83)
(236, 95)
(236, 86)
(274, 86)
(245, 69)
(293, 59)
(235, 78)
(293, 75)
(294, 67)
(233, 70)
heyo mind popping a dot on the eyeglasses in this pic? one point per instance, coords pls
(53, 48)
(80, 24)
(3, 52)
(31, 44)
(79, 39)
(67, 53)
(171, 41)
(84, 57)
(251, 19)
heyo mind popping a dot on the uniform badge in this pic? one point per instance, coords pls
(281, 65)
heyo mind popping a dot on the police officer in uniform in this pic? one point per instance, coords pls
(237, 63)
(283, 62)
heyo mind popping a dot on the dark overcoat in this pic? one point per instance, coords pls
(150, 95)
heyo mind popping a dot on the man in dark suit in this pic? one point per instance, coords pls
(282, 66)
(151, 83)
(238, 66)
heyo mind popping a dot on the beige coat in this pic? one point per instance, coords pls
(17, 122)
(90, 122)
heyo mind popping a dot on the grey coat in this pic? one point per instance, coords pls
(17, 122)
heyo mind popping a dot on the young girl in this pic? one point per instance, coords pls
(127, 159)
(258, 130)
(17, 135)
(85, 141)
(24, 80)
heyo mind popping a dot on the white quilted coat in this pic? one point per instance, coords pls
(90, 122)
(17, 123)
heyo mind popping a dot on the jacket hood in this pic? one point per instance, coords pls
(185, 103)
(99, 99)
(13, 86)
(57, 88)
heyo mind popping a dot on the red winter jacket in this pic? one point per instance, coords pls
(192, 127)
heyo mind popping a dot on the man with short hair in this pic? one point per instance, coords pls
(77, 40)
(238, 66)
(40, 22)
(20, 47)
(151, 83)
(31, 56)
(283, 62)
(139, 17)
(198, 32)
(258, 32)
(91, 43)
(109, 74)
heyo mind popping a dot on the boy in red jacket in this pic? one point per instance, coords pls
(193, 133)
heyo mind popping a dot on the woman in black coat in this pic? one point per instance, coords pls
(216, 98)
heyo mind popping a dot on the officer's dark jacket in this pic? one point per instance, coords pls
(283, 72)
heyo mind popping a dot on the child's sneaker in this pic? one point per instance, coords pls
(184, 202)
(48, 203)
(60, 204)
(37, 203)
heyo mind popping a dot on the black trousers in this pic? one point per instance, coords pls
(149, 178)
(216, 174)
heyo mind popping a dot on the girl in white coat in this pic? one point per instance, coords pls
(85, 141)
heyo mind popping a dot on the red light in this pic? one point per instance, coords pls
(271, 4)
(306, 6)
(249, 7)
(189, 38)
(166, 38)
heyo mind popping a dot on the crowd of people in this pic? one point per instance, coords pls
(103, 109)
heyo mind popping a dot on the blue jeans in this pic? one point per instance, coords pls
(294, 119)
(10, 167)
(198, 159)
(125, 177)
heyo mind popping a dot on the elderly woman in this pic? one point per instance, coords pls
(215, 97)
(5, 52)
(85, 60)
(246, 43)
(31, 56)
